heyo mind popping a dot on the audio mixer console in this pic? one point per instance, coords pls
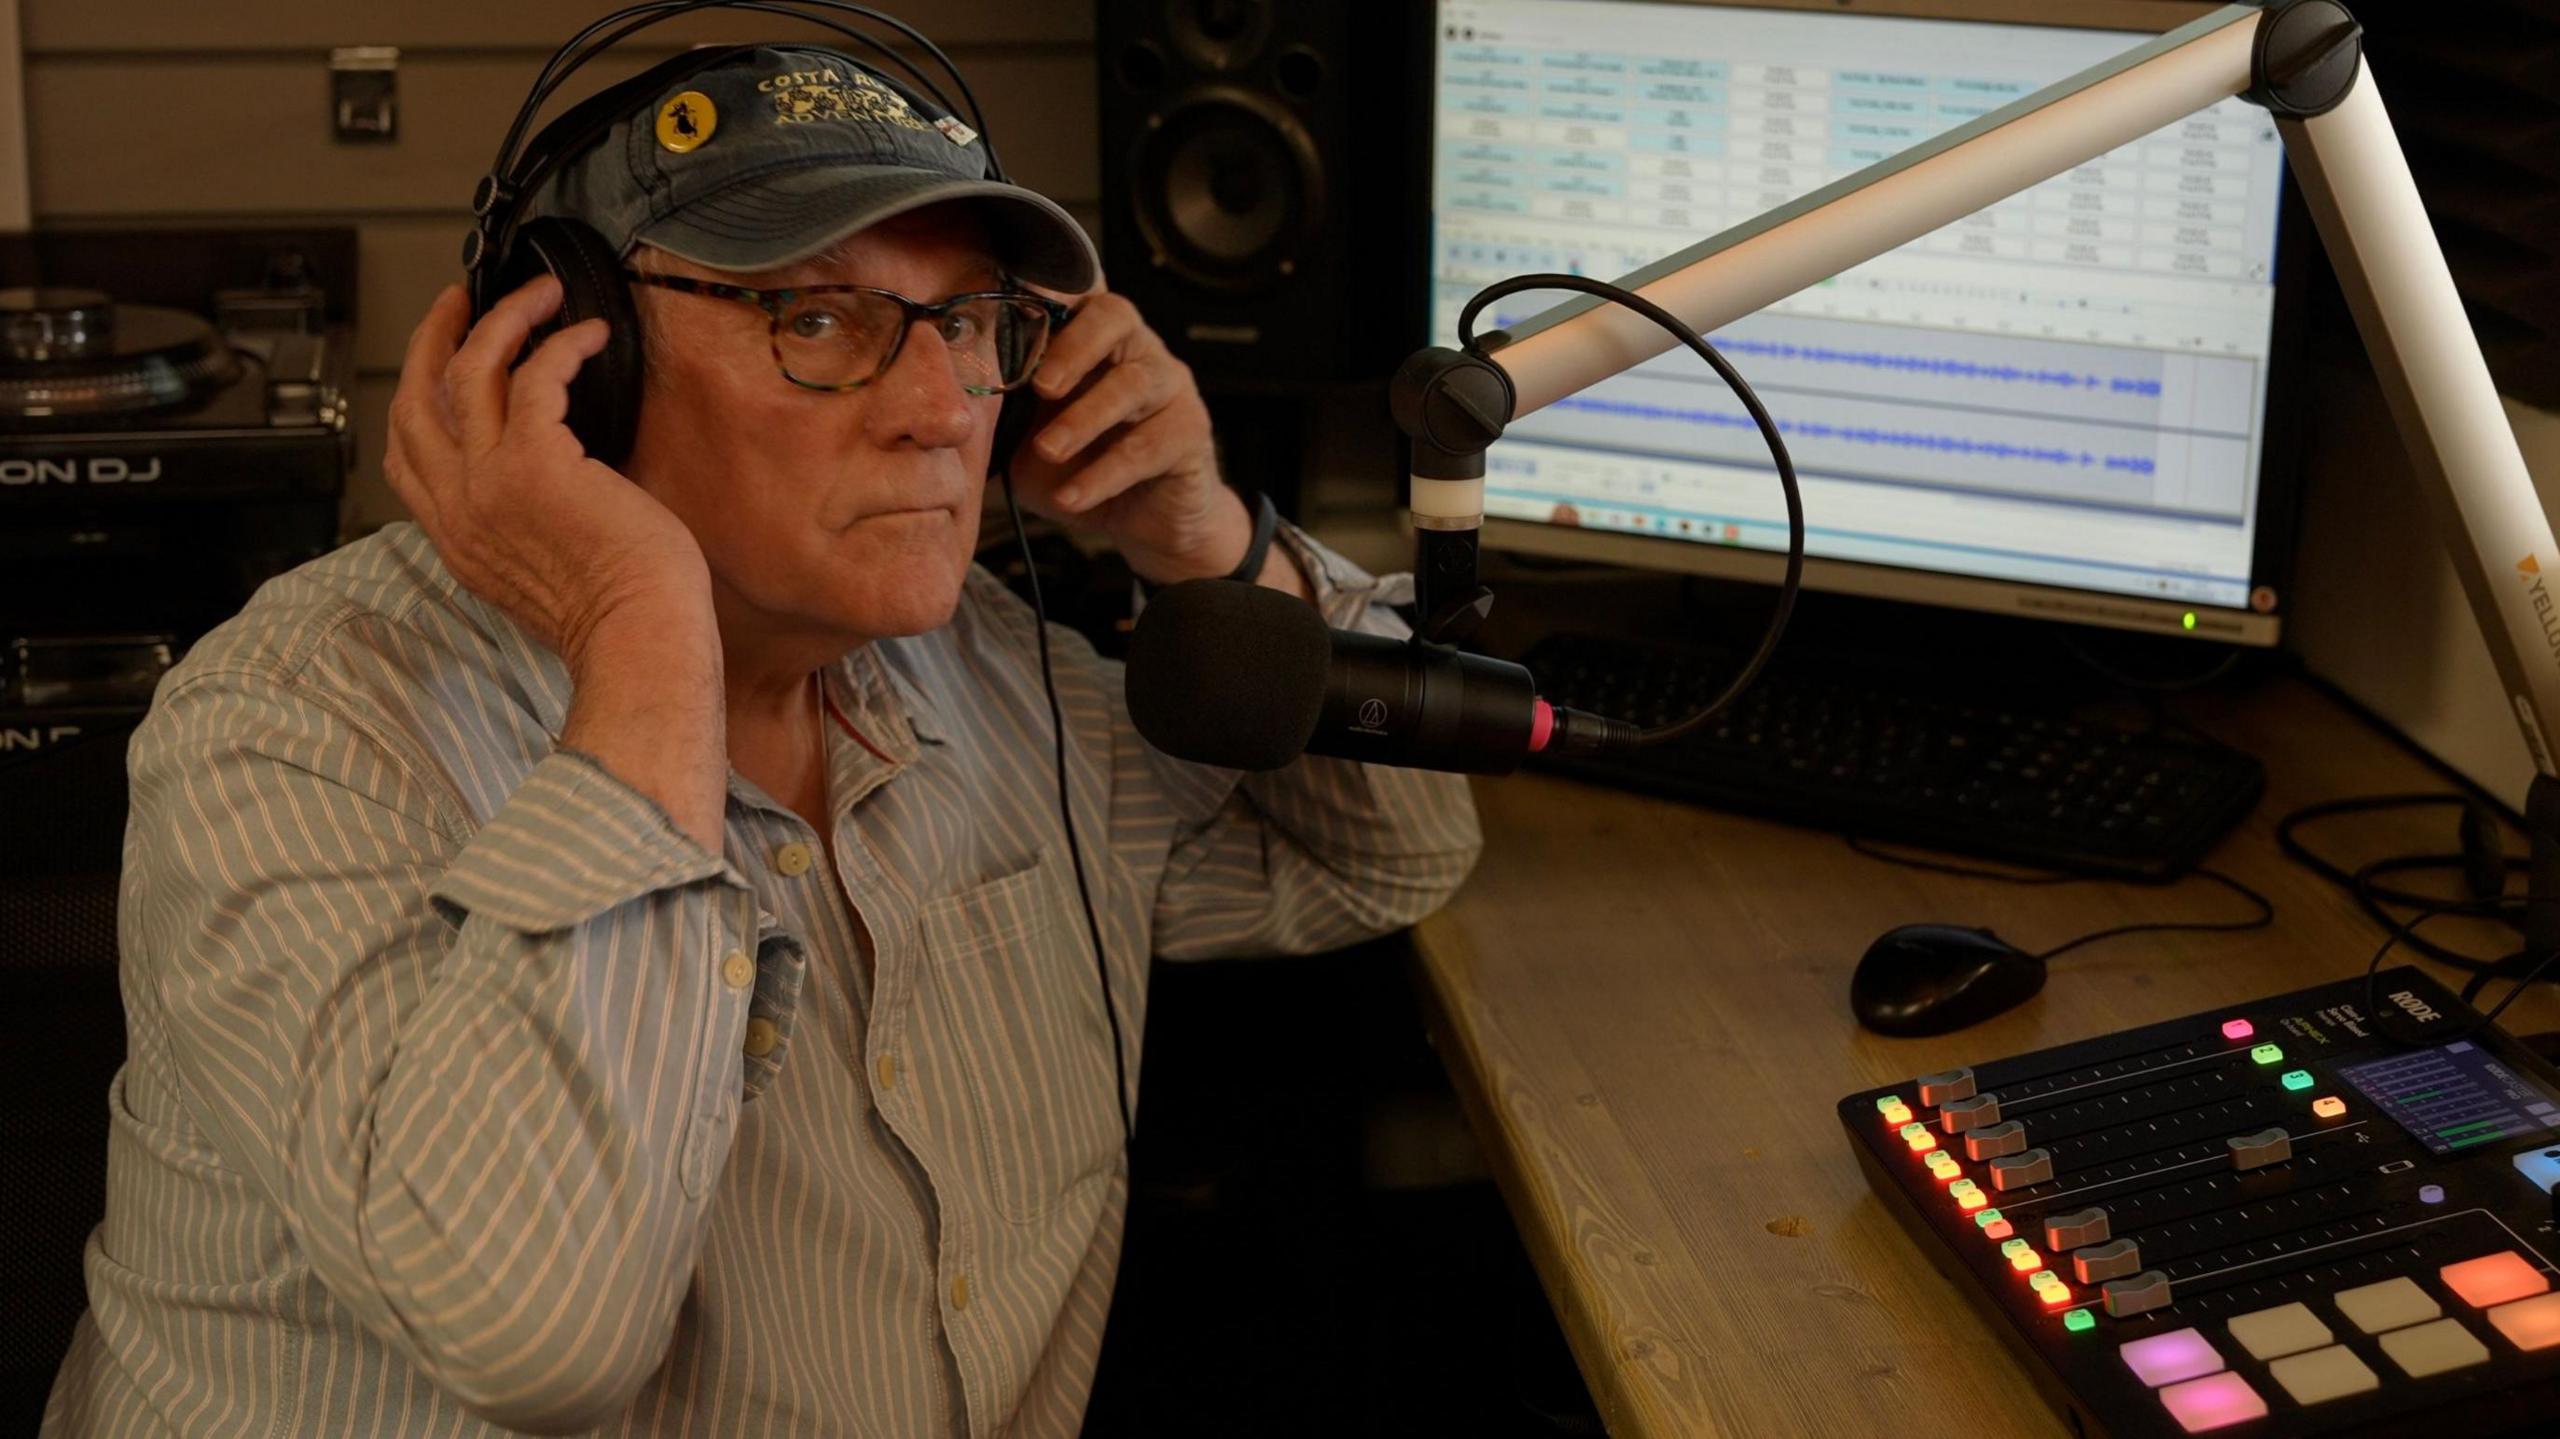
(2273, 1219)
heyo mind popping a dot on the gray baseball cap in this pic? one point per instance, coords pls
(768, 159)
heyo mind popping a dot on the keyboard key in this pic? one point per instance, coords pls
(2168, 1358)
(2531, 1323)
(2274, 1333)
(2213, 1403)
(2434, 1348)
(2495, 1279)
(2323, 1375)
(2392, 1304)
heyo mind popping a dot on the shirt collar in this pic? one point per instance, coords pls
(882, 677)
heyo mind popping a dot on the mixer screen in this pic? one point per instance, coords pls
(2454, 1096)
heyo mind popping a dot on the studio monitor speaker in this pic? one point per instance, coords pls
(1262, 170)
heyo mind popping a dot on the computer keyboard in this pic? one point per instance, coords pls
(1848, 746)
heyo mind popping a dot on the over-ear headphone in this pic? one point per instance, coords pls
(505, 250)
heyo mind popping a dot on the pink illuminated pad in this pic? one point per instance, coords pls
(2168, 1358)
(2495, 1279)
(2212, 1402)
(2238, 1029)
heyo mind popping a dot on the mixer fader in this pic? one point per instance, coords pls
(2269, 1220)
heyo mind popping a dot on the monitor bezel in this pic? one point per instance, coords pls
(2298, 259)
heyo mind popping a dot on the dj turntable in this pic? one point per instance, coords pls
(173, 433)
(2287, 1217)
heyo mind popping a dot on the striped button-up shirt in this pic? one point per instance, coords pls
(468, 1094)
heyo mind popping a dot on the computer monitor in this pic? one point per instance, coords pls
(2072, 405)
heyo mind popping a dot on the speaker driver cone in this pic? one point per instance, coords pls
(1227, 188)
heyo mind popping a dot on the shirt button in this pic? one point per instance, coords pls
(888, 1071)
(762, 1036)
(738, 970)
(792, 858)
(959, 1291)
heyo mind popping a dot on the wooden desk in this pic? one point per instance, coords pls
(1645, 1008)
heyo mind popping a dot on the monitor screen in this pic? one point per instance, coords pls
(2064, 395)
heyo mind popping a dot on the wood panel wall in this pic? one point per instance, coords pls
(181, 112)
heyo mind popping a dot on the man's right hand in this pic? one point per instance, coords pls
(583, 560)
(483, 457)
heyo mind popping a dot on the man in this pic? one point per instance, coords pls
(604, 957)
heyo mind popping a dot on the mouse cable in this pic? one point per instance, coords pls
(2265, 916)
(1121, 1102)
(1788, 584)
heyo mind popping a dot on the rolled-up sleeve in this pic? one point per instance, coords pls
(487, 1074)
(1321, 852)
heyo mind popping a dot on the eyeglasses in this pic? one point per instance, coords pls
(842, 337)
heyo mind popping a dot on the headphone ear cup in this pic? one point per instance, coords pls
(604, 399)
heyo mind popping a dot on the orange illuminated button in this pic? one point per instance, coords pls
(2495, 1279)
(2530, 1324)
(1943, 1165)
(2328, 1106)
(1917, 1135)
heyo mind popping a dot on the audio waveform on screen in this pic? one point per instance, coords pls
(1947, 365)
(1940, 365)
(1866, 435)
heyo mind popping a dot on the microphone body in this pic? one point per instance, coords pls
(1231, 674)
(1423, 706)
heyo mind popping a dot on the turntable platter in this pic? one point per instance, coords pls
(69, 354)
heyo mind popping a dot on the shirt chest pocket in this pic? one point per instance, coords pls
(1015, 994)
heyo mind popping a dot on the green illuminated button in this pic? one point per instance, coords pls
(1987, 1218)
(2266, 1054)
(1888, 1102)
(2297, 1079)
(2079, 1321)
(2014, 1248)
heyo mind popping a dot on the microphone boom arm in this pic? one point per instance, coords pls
(2302, 60)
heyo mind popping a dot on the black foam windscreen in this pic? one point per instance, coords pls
(1228, 673)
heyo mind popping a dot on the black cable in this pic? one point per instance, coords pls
(1794, 580)
(1066, 817)
(2382, 1022)
(2266, 916)
(2371, 898)
(1860, 845)
(2266, 907)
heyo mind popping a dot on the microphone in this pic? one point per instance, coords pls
(1233, 674)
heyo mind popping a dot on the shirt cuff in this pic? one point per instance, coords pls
(572, 842)
(1343, 592)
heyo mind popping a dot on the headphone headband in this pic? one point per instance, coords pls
(497, 201)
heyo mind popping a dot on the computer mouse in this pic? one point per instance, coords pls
(1932, 978)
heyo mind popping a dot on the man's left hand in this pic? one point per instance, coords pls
(1122, 443)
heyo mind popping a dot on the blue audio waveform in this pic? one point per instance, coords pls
(1921, 364)
(1939, 365)
(1868, 435)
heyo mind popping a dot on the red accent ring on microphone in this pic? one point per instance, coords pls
(1542, 724)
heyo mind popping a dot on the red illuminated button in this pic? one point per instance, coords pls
(2495, 1279)
(2238, 1029)
(2532, 1324)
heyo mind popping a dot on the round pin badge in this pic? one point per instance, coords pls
(686, 122)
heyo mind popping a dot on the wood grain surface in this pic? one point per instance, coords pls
(1644, 1005)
